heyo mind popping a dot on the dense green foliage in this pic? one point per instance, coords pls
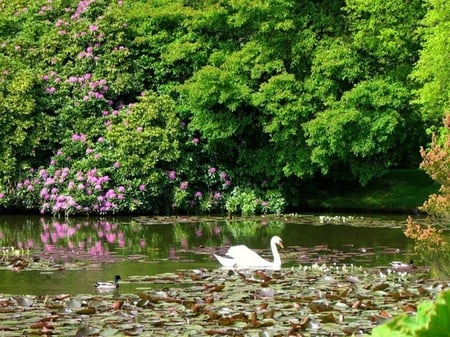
(431, 320)
(174, 105)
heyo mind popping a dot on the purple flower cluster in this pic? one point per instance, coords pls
(209, 193)
(65, 192)
(82, 7)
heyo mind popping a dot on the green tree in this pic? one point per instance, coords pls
(432, 70)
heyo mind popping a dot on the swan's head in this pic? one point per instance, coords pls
(276, 240)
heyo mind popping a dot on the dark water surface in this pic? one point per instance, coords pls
(68, 256)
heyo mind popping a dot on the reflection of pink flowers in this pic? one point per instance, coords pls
(121, 240)
(110, 237)
(184, 243)
(44, 237)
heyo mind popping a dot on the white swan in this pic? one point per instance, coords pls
(241, 257)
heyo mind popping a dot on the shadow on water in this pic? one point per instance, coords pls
(68, 256)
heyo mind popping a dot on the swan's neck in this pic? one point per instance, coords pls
(276, 255)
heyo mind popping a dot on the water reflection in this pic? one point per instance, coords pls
(98, 248)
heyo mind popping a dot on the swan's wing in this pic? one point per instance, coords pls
(225, 261)
(245, 257)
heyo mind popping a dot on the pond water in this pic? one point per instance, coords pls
(53, 256)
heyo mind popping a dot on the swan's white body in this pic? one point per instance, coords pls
(242, 257)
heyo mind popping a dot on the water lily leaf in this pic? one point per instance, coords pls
(266, 292)
(42, 325)
(328, 318)
(320, 305)
(110, 332)
(225, 332)
(86, 311)
(409, 308)
(25, 301)
(298, 326)
(214, 287)
(86, 331)
(352, 330)
(380, 286)
(74, 303)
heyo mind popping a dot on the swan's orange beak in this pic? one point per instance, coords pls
(281, 244)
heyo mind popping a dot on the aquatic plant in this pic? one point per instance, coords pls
(319, 300)
(431, 319)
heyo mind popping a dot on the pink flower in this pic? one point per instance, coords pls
(195, 140)
(212, 170)
(172, 175)
(184, 185)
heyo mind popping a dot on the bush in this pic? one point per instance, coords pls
(431, 320)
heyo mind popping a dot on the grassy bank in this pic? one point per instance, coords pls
(398, 191)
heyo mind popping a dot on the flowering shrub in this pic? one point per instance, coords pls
(249, 201)
(121, 171)
(431, 243)
(95, 130)
(436, 162)
(204, 193)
